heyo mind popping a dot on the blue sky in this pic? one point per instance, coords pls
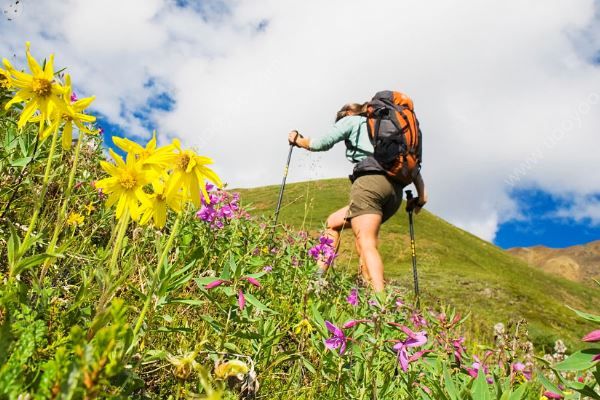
(510, 117)
(542, 223)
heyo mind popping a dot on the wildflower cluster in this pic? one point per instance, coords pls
(323, 251)
(221, 207)
(175, 176)
(47, 99)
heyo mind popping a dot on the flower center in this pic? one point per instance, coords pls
(67, 118)
(183, 161)
(42, 87)
(161, 197)
(127, 180)
(3, 81)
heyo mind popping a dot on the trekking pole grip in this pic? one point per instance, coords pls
(409, 197)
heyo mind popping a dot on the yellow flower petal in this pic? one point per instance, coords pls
(67, 136)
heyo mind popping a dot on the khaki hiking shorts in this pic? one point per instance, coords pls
(375, 194)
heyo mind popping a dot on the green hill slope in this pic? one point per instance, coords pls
(455, 267)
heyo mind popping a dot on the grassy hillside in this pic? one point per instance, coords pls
(454, 266)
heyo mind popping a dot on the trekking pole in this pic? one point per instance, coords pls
(409, 210)
(285, 173)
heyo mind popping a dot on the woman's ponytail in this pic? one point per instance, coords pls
(351, 109)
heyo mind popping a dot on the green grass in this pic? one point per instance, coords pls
(455, 267)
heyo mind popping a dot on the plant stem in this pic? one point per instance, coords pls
(21, 176)
(122, 228)
(39, 203)
(155, 277)
(63, 210)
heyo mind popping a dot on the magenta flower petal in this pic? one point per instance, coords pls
(552, 395)
(419, 340)
(350, 324)
(333, 329)
(418, 355)
(338, 339)
(253, 281)
(596, 357)
(214, 284)
(354, 322)
(332, 343)
(593, 336)
(518, 366)
(241, 300)
(403, 359)
(352, 298)
(415, 339)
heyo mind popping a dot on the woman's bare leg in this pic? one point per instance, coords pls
(366, 230)
(362, 268)
(335, 223)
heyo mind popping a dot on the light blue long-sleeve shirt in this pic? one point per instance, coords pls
(351, 129)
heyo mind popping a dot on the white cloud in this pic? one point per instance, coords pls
(582, 209)
(494, 83)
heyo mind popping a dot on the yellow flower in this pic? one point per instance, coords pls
(37, 90)
(190, 173)
(4, 79)
(230, 368)
(125, 185)
(75, 219)
(71, 114)
(158, 204)
(303, 328)
(90, 208)
(155, 158)
(183, 365)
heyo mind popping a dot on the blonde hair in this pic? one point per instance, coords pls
(351, 109)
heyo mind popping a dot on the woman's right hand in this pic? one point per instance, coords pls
(293, 136)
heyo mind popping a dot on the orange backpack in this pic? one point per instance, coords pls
(395, 134)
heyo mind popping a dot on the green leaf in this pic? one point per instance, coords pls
(256, 303)
(318, 319)
(13, 245)
(578, 361)
(518, 394)
(226, 273)
(235, 271)
(20, 162)
(29, 262)
(257, 275)
(546, 383)
(213, 323)
(191, 302)
(584, 389)
(449, 384)
(308, 365)
(589, 317)
(232, 347)
(480, 387)
(174, 329)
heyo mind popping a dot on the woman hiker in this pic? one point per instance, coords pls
(373, 197)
